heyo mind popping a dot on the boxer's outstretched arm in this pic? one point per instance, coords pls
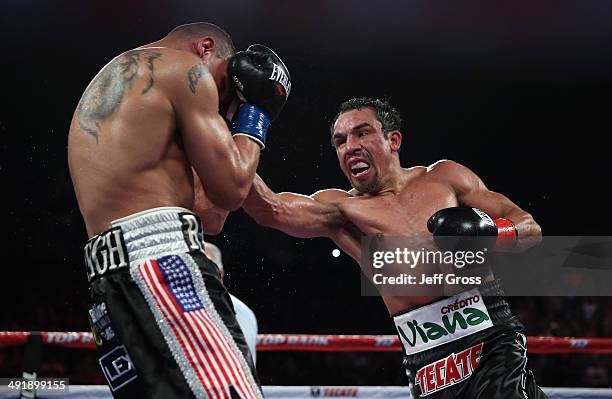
(471, 191)
(226, 165)
(297, 215)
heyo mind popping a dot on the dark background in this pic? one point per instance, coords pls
(519, 92)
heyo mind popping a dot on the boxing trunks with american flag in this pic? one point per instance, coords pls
(161, 317)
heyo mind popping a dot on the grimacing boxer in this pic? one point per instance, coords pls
(484, 359)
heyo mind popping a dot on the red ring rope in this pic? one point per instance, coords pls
(325, 343)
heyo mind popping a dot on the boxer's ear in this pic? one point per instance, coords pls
(204, 47)
(395, 140)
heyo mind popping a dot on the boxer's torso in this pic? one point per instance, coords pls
(124, 150)
(403, 214)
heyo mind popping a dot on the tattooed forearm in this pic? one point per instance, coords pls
(151, 57)
(105, 93)
(194, 74)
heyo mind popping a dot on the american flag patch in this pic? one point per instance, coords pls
(175, 292)
(179, 281)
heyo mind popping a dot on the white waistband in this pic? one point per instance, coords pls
(160, 231)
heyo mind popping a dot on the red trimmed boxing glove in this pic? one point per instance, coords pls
(472, 222)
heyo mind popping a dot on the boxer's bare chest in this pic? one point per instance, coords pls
(402, 214)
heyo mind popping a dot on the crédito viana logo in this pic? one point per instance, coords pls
(443, 321)
(431, 331)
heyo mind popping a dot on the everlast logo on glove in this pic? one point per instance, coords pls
(279, 75)
(261, 79)
(105, 253)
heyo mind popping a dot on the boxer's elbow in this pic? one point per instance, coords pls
(242, 184)
(537, 230)
(227, 189)
(533, 228)
(229, 199)
(529, 233)
(232, 203)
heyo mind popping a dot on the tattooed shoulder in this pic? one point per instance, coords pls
(194, 75)
(151, 57)
(105, 93)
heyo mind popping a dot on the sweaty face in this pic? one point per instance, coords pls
(362, 148)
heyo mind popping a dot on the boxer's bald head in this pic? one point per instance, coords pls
(213, 46)
(199, 30)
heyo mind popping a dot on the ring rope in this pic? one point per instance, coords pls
(322, 343)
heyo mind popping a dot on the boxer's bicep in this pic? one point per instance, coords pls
(494, 204)
(497, 205)
(471, 191)
(213, 154)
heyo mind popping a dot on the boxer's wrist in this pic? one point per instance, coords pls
(251, 121)
(507, 234)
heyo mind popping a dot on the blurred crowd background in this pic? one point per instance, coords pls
(519, 92)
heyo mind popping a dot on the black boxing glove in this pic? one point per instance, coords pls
(261, 77)
(464, 221)
(263, 82)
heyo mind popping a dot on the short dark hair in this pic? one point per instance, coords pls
(386, 114)
(223, 41)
